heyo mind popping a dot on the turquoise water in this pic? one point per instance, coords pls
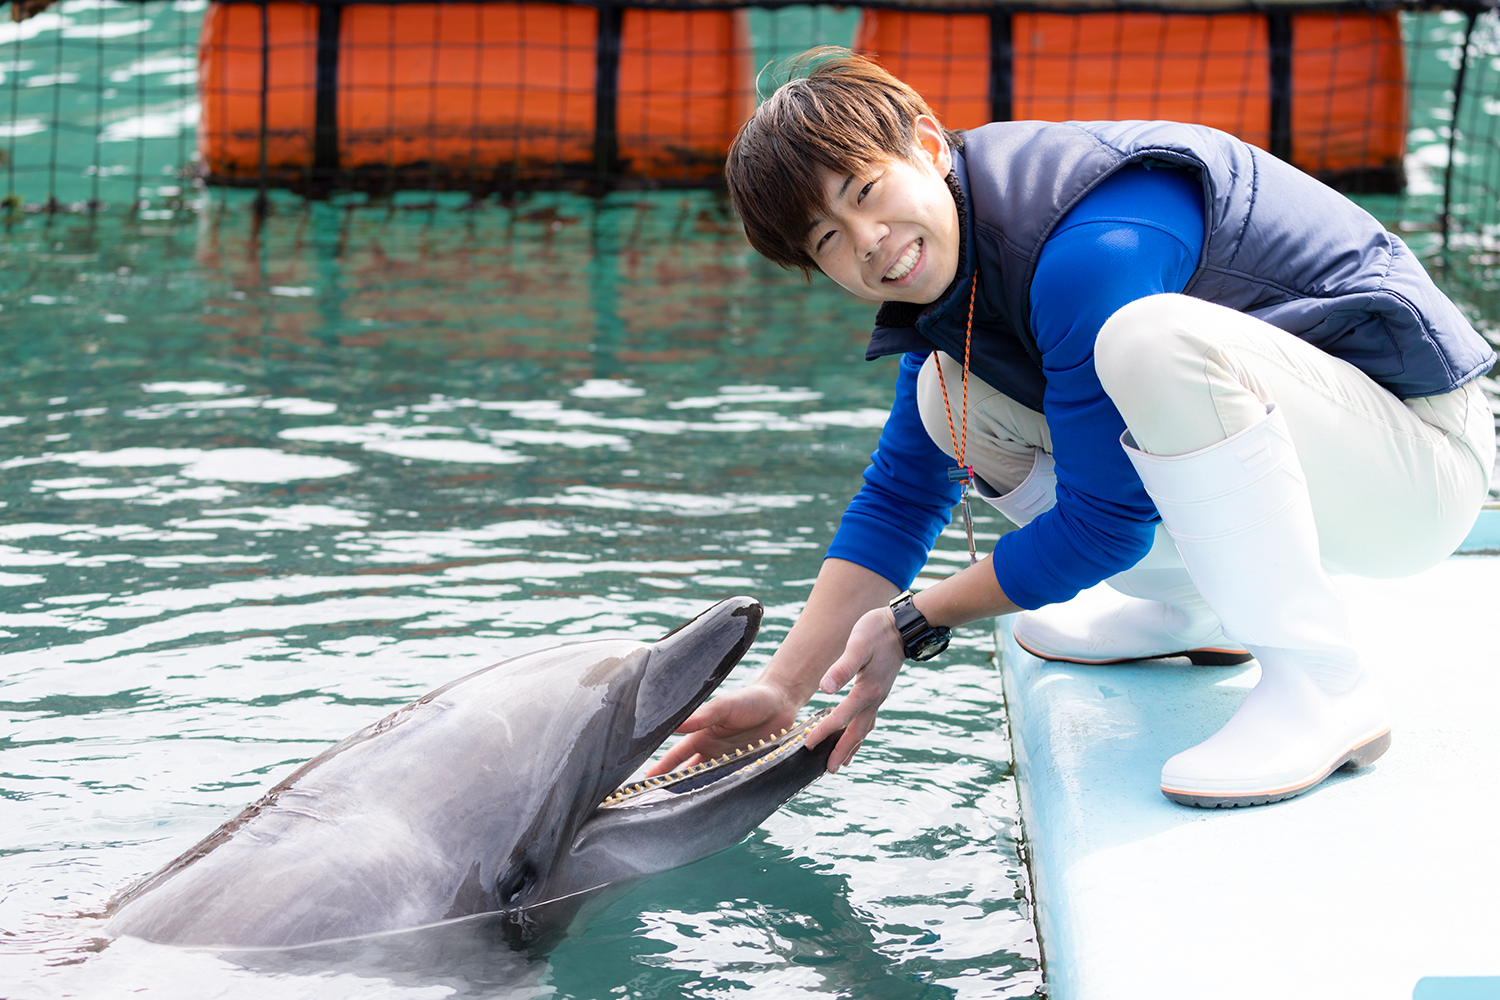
(262, 486)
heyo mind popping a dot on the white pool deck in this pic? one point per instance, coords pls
(1357, 889)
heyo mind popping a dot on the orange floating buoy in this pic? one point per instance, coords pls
(466, 88)
(1210, 69)
(459, 94)
(686, 83)
(231, 140)
(945, 57)
(494, 94)
(1324, 89)
(1348, 93)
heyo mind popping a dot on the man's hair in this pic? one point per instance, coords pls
(846, 114)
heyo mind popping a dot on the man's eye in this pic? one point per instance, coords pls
(826, 237)
(865, 190)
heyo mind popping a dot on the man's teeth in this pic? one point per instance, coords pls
(905, 263)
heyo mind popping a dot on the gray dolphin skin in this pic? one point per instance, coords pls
(498, 793)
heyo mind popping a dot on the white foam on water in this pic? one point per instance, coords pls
(298, 407)
(21, 126)
(676, 503)
(21, 580)
(606, 388)
(265, 465)
(201, 388)
(166, 124)
(564, 439)
(299, 517)
(467, 452)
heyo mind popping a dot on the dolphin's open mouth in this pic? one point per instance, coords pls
(698, 776)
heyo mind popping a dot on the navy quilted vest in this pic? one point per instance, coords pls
(1278, 245)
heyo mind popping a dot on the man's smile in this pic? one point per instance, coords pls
(908, 260)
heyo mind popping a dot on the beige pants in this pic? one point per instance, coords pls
(1395, 485)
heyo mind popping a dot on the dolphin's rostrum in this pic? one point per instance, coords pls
(497, 793)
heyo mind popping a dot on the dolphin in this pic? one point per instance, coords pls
(498, 793)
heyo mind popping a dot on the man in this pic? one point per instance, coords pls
(1111, 322)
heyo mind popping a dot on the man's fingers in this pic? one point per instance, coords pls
(701, 717)
(842, 715)
(842, 672)
(685, 752)
(844, 752)
(850, 741)
(817, 733)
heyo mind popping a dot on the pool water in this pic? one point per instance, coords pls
(264, 483)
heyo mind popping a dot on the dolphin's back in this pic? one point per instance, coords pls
(439, 809)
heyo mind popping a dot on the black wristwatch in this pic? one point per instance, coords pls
(919, 640)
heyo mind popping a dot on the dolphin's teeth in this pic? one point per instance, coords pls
(761, 743)
(783, 732)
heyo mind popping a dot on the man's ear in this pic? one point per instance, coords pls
(931, 146)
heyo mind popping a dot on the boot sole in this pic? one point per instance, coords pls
(1207, 657)
(1366, 753)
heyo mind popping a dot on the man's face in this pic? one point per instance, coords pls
(891, 235)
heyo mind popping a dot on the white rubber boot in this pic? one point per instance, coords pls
(1240, 515)
(1161, 614)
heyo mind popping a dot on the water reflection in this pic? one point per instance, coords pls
(262, 485)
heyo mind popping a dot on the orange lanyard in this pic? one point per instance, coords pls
(965, 472)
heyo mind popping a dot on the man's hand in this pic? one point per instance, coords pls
(872, 658)
(730, 721)
(844, 591)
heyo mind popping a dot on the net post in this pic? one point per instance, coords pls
(52, 205)
(261, 198)
(140, 142)
(184, 172)
(1279, 30)
(606, 92)
(13, 203)
(325, 116)
(1458, 97)
(98, 114)
(1002, 65)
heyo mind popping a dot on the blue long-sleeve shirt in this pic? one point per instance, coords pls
(1137, 234)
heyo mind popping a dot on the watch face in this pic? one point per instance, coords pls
(930, 645)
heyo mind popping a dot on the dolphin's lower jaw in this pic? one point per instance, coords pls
(396, 827)
(670, 821)
(664, 823)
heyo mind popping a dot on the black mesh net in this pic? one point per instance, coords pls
(125, 104)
